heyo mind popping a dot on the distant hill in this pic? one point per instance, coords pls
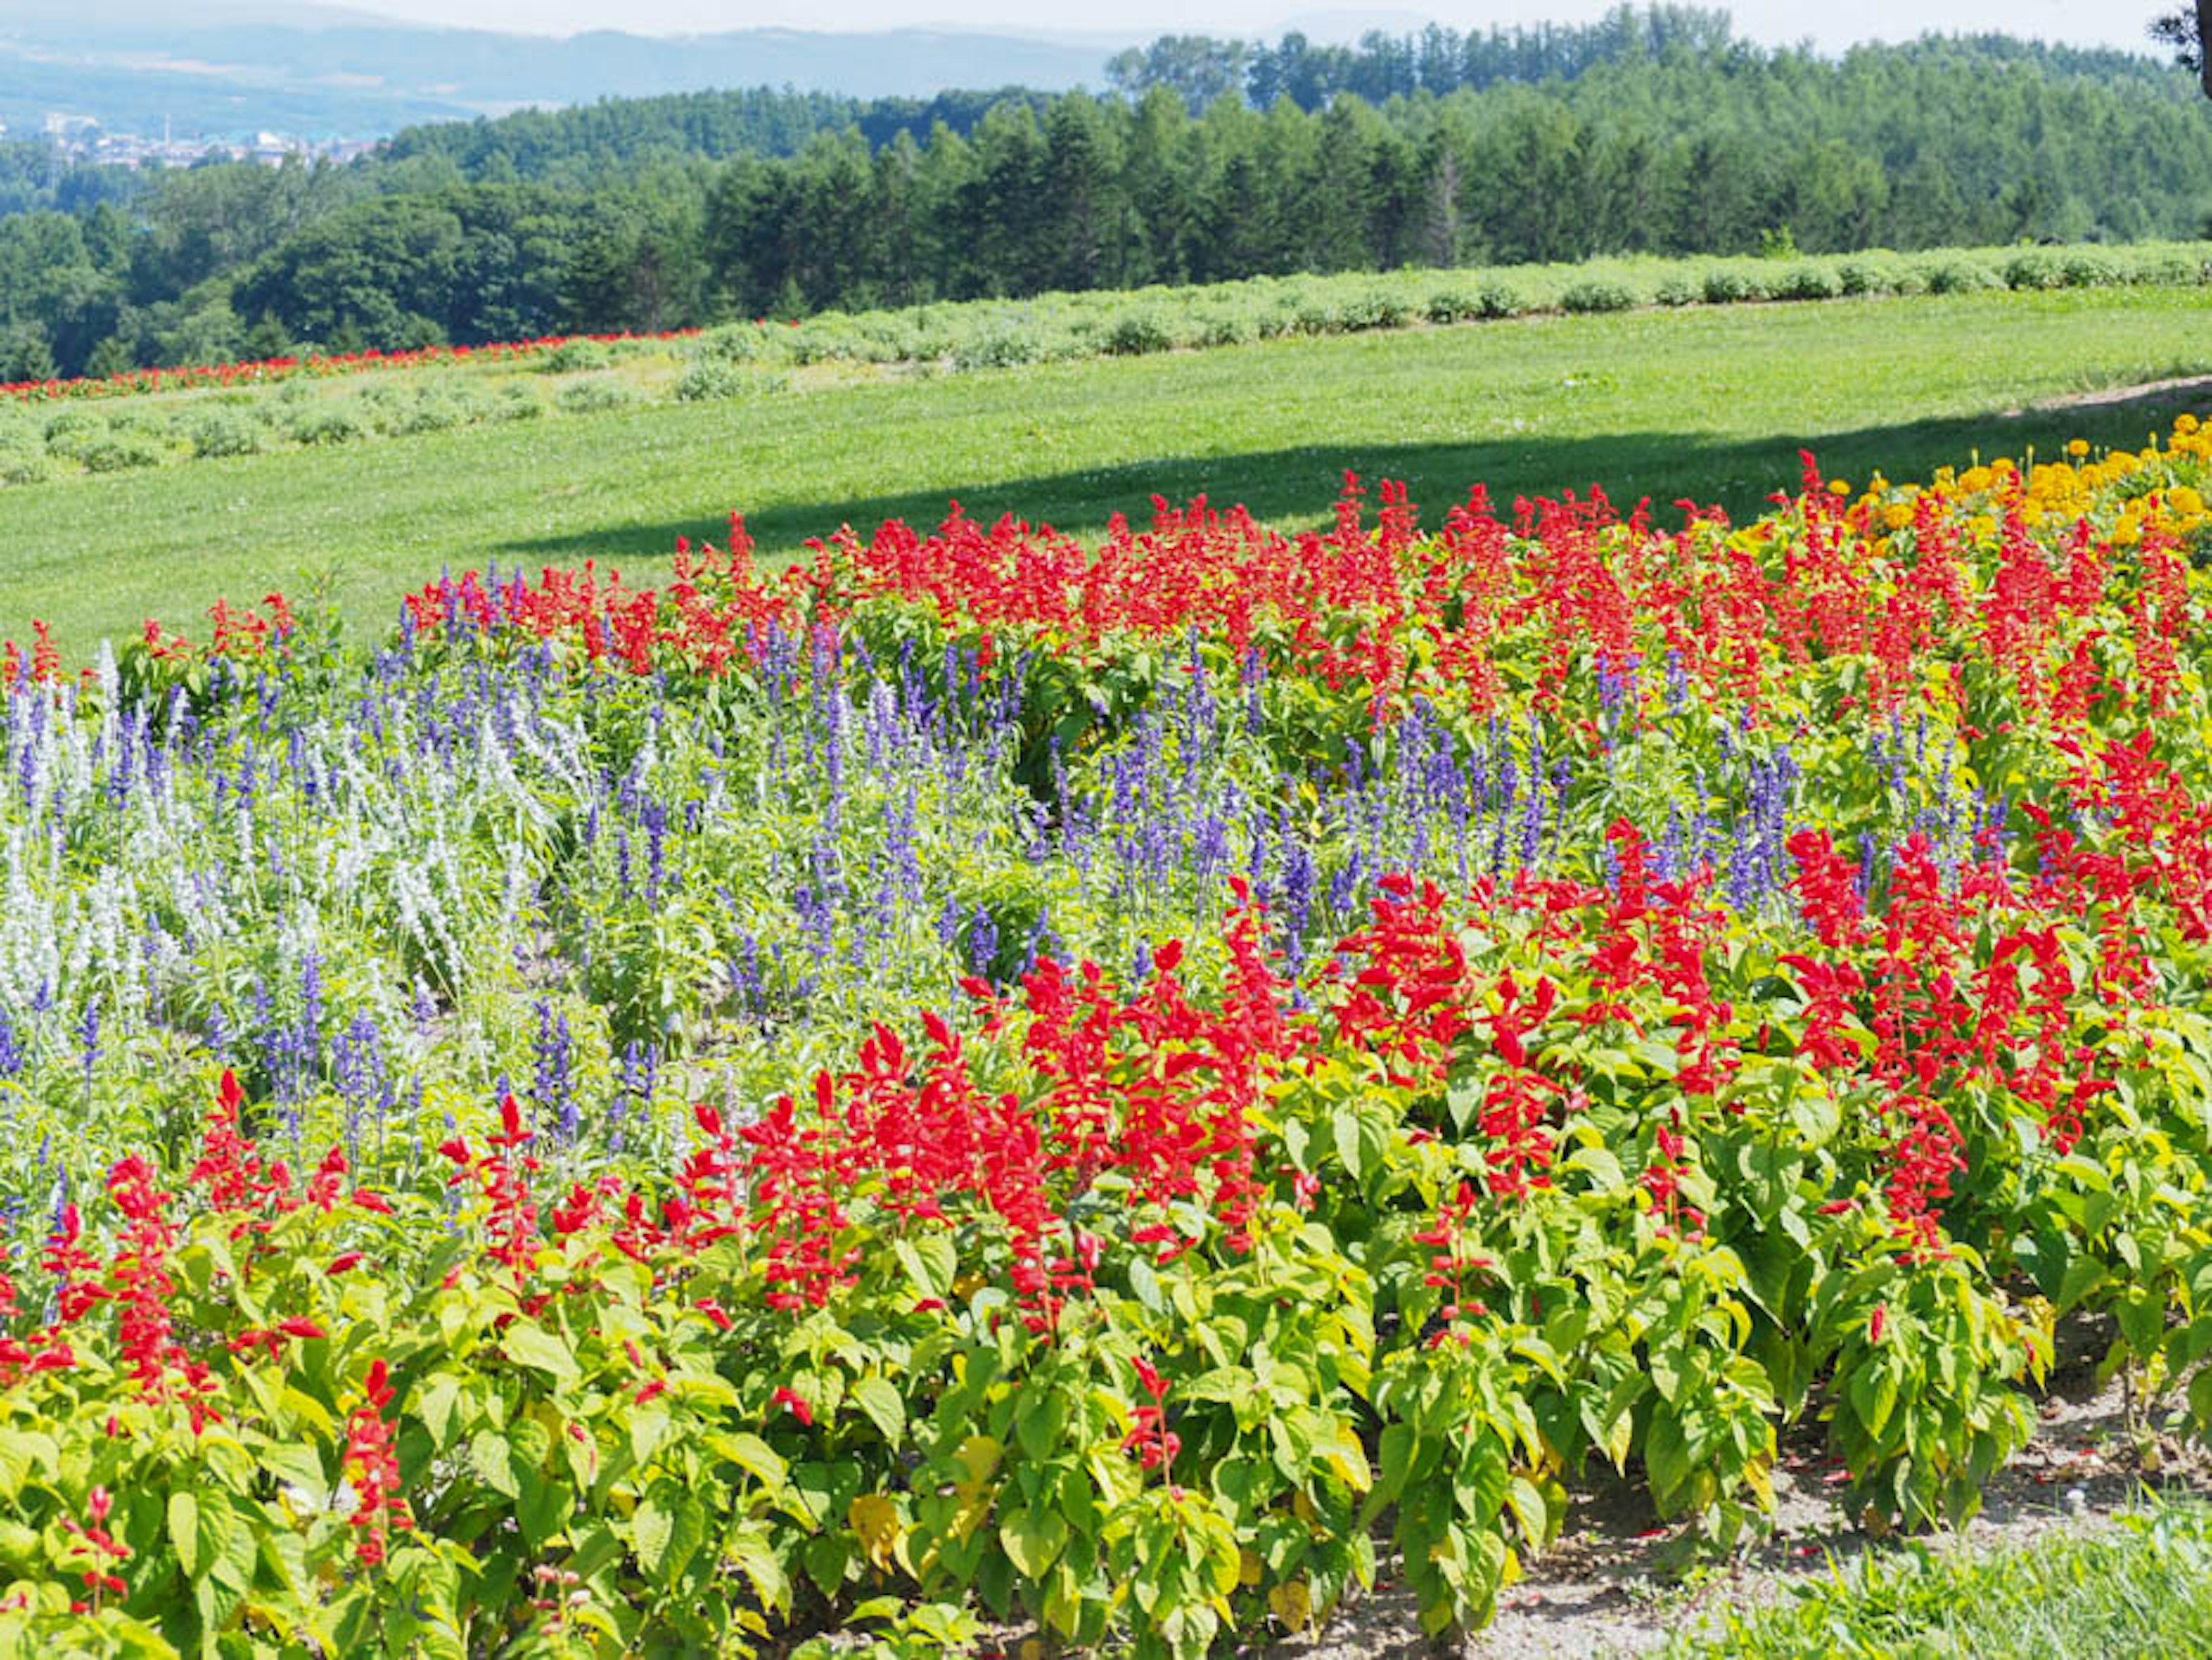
(229, 71)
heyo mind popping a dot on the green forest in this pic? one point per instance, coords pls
(1656, 131)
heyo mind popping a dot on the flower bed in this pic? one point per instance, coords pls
(1130, 1088)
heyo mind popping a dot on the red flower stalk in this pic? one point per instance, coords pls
(373, 1468)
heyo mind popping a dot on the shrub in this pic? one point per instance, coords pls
(430, 411)
(711, 379)
(69, 426)
(1856, 276)
(1226, 327)
(1133, 333)
(327, 423)
(738, 343)
(1375, 308)
(2034, 268)
(1958, 276)
(1452, 305)
(1725, 285)
(2164, 267)
(120, 449)
(1597, 296)
(1807, 282)
(1677, 290)
(571, 357)
(2087, 268)
(1003, 347)
(595, 396)
(226, 432)
(23, 458)
(1501, 300)
(517, 401)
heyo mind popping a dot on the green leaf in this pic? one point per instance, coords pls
(1816, 1115)
(297, 1465)
(648, 1428)
(1605, 1171)
(2200, 1400)
(826, 1559)
(1393, 1456)
(929, 1262)
(1145, 1285)
(494, 1462)
(439, 1394)
(236, 1548)
(1344, 1126)
(184, 1532)
(1037, 1426)
(751, 1454)
(880, 1399)
(1873, 1392)
(22, 1451)
(1034, 1541)
(533, 1345)
(651, 1528)
(685, 1538)
(749, 1548)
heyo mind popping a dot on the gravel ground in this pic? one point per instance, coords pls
(1615, 1584)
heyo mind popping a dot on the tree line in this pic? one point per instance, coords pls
(1656, 132)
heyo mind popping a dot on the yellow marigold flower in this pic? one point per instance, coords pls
(2078, 448)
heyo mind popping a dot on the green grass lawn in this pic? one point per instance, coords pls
(1710, 403)
(2143, 1589)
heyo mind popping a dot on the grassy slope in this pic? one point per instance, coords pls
(1710, 403)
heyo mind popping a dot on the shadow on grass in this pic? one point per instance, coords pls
(1301, 483)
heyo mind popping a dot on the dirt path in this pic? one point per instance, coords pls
(1613, 1584)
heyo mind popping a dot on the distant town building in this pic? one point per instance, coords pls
(82, 138)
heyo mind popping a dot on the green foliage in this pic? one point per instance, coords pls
(1958, 276)
(2140, 1589)
(1597, 296)
(709, 378)
(1808, 281)
(594, 395)
(1135, 332)
(327, 422)
(226, 432)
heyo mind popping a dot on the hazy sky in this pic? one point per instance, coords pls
(2120, 23)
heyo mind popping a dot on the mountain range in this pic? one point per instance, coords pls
(231, 69)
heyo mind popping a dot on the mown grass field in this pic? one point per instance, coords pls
(1712, 403)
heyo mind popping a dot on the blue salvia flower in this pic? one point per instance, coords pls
(1298, 900)
(745, 972)
(11, 1048)
(87, 1037)
(640, 1070)
(982, 941)
(656, 850)
(551, 1085)
(311, 1011)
